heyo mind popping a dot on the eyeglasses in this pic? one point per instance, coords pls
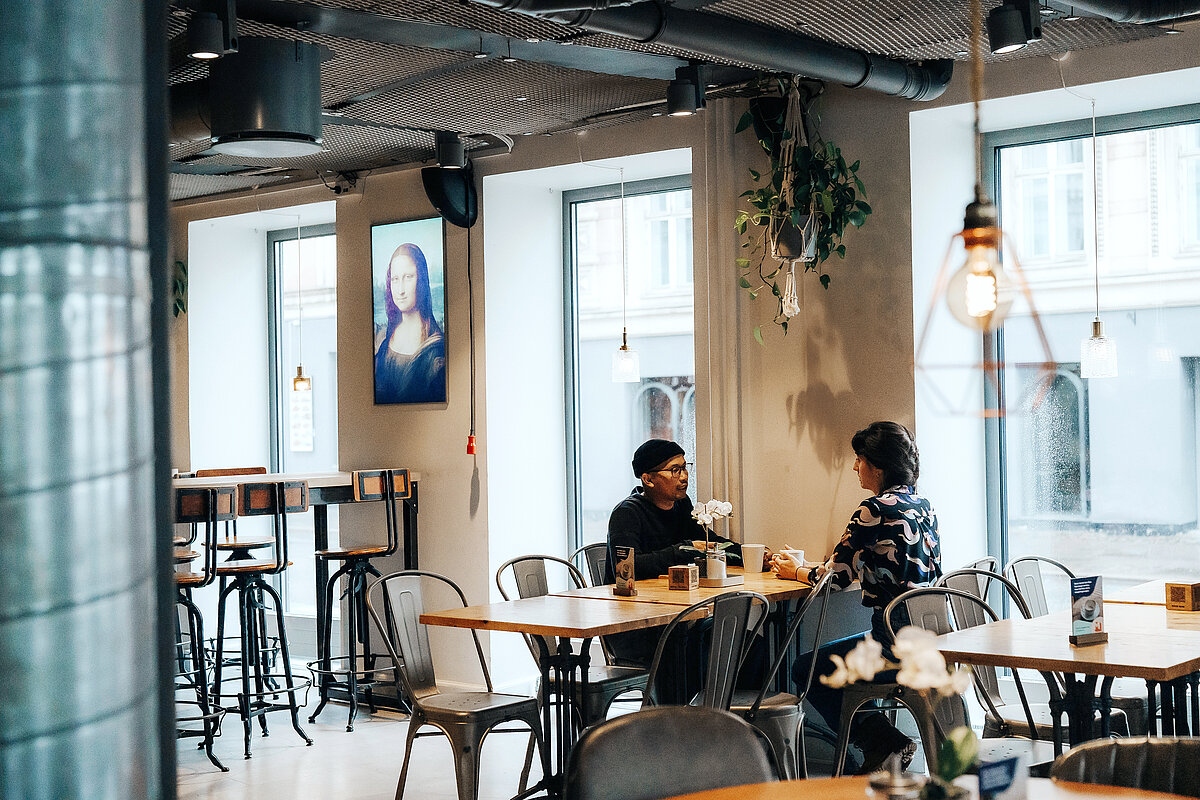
(677, 469)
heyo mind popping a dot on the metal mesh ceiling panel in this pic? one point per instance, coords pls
(484, 99)
(182, 187)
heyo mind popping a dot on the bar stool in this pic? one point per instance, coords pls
(238, 547)
(198, 507)
(388, 485)
(259, 686)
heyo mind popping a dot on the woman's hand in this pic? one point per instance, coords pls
(783, 566)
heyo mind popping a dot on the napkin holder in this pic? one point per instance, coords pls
(684, 576)
(1183, 597)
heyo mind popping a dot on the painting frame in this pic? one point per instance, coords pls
(408, 312)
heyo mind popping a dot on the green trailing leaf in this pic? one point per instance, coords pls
(825, 281)
(745, 122)
(743, 263)
(179, 288)
(841, 251)
(758, 335)
(957, 753)
(857, 218)
(743, 283)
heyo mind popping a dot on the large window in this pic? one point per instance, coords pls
(302, 298)
(1102, 473)
(609, 420)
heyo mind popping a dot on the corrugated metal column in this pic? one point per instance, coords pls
(79, 672)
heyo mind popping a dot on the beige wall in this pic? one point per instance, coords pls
(781, 415)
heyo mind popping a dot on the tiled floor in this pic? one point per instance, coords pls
(363, 765)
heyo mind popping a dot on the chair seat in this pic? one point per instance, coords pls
(245, 542)
(180, 541)
(772, 704)
(245, 565)
(351, 552)
(1041, 753)
(188, 579)
(181, 556)
(450, 705)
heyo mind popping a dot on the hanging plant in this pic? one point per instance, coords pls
(802, 205)
(179, 288)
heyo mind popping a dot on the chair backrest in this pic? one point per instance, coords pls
(1026, 573)
(663, 752)
(595, 559)
(206, 507)
(1160, 764)
(819, 593)
(388, 485)
(528, 576)
(396, 602)
(732, 630)
(928, 608)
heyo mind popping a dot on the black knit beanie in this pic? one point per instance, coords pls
(652, 453)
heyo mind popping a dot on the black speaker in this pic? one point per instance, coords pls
(452, 193)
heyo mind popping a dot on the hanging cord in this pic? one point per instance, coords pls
(299, 301)
(976, 11)
(1095, 180)
(471, 343)
(624, 269)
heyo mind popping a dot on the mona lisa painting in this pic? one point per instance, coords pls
(408, 288)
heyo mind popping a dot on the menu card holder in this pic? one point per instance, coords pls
(1004, 779)
(1183, 596)
(1087, 611)
(683, 576)
(623, 568)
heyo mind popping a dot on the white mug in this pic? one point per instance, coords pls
(796, 556)
(752, 557)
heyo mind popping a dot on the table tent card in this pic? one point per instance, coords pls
(623, 568)
(1087, 611)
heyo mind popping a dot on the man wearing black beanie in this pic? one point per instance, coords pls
(656, 518)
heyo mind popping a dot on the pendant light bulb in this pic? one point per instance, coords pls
(625, 363)
(1098, 354)
(980, 294)
(301, 383)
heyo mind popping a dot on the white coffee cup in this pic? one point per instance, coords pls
(752, 557)
(796, 556)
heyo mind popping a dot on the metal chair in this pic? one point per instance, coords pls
(1159, 764)
(381, 485)
(928, 608)
(780, 716)
(732, 631)
(662, 752)
(606, 681)
(1129, 695)
(1031, 720)
(200, 508)
(595, 558)
(396, 602)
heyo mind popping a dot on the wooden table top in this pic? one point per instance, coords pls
(573, 617)
(1151, 593)
(314, 479)
(655, 590)
(856, 789)
(1144, 641)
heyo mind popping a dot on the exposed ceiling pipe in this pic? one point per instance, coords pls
(1140, 11)
(727, 38)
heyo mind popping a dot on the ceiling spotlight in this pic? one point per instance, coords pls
(685, 94)
(451, 153)
(1012, 25)
(212, 34)
(520, 98)
(1072, 16)
(479, 53)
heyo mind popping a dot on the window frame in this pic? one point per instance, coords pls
(995, 450)
(571, 399)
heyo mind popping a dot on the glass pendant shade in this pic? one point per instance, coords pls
(1098, 354)
(625, 366)
(301, 383)
(980, 294)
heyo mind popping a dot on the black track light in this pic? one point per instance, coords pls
(451, 152)
(212, 32)
(1014, 24)
(685, 94)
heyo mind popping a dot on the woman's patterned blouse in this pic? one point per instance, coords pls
(891, 544)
